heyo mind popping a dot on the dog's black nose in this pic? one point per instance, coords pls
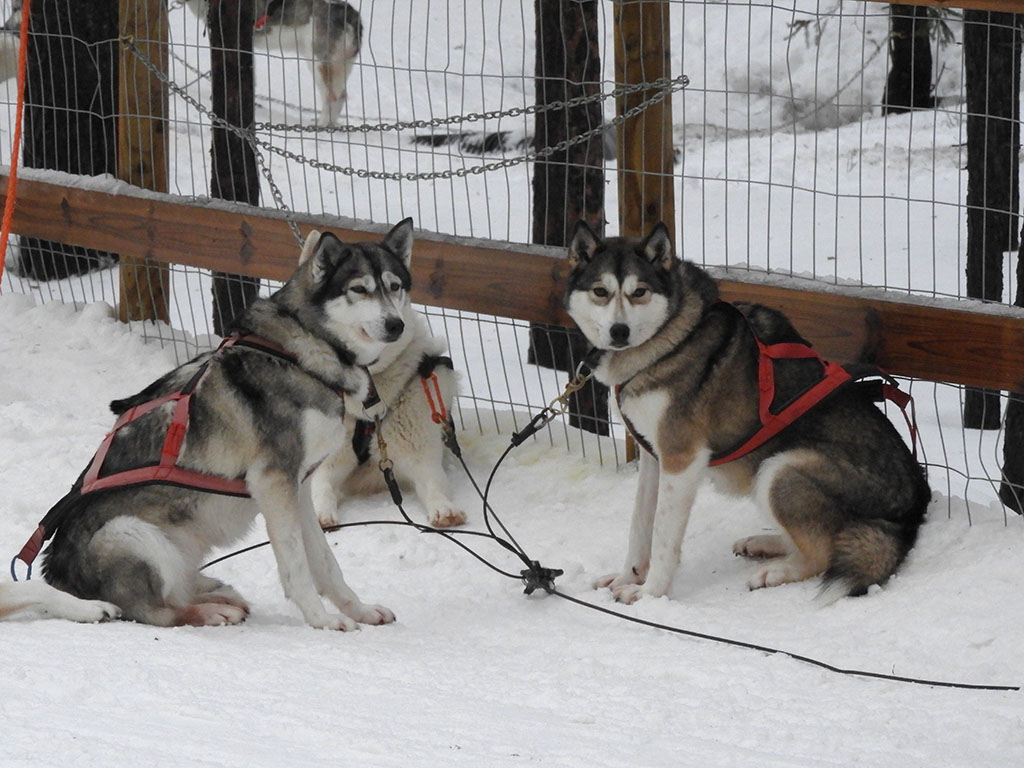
(620, 334)
(393, 328)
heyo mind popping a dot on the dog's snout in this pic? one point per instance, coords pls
(619, 334)
(393, 328)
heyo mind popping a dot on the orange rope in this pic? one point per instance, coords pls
(12, 184)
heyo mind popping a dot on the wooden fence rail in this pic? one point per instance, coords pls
(975, 345)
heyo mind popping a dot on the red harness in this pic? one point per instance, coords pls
(834, 376)
(165, 471)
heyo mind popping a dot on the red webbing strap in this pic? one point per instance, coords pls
(28, 553)
(166, 471)
(891, 392)
(438, 412)
(91, 477)
(772, 424)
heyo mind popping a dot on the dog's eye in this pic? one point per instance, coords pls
(639, 293)
(395, 287)
(600, 291)
(359, 289)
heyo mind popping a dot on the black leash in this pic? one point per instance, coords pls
(536, 577)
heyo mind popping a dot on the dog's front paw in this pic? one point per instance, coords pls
(328, 518)
(614, 581)
(375, 614)
(446, 517)
(93, 611)
(628, 593)
(336, 621)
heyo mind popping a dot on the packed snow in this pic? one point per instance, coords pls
(474, 672)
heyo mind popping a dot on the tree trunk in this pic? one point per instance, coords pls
(992, 77)
(568, 185)
(909, 84)
(1011, 490)
(70, 122)
(235, 175)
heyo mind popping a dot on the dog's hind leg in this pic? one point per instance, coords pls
(333, 77)
(210, 590)
(763, 546)
(147, 576)
(793, 489)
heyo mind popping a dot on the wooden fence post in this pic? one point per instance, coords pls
(646, 192)
(645, 152)
(142, 145)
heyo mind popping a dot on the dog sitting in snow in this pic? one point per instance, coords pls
(415, 381)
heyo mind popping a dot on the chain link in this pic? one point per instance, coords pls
(662, 88)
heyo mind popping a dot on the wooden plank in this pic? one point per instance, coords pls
(142, 146)
(908, 338)
(644, 142)
(1005, 6)
(911, 338)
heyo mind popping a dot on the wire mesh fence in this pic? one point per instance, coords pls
(808, 142)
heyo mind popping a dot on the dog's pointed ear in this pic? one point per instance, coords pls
(582, 245)
(399, 240)
(309, 247)
(658, 247)
(328, 253)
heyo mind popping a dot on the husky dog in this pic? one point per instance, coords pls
(263, 416)
(413, 438)
(327, 33)
(841, 483)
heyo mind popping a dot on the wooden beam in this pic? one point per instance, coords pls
(142, 145)
(1005, 6)
(979, 346)
(645, 148)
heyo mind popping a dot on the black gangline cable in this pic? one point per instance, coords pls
(536, 577)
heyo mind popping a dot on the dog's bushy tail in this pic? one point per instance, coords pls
(866, 552)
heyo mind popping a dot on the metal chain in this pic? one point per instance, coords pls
(664, 84)
(438, 122)
(662, 87)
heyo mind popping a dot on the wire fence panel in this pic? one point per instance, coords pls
(823, 142)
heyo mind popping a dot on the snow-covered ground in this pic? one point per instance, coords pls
(474, 673)
(774, 173)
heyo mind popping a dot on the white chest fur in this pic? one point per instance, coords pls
(646, 412)
(322, 436)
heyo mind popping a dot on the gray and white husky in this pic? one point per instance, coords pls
(402, 377)
(840, 481)
(326, 33)
(263, 416)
